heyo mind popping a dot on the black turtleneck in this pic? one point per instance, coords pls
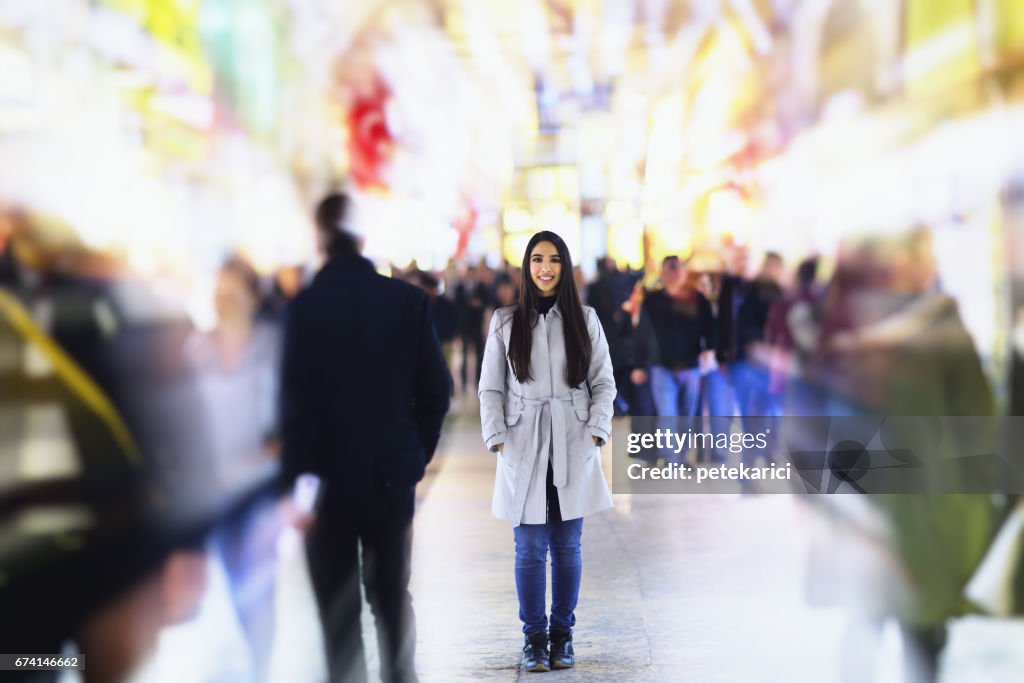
(544, 304)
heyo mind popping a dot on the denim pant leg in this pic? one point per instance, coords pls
(665, 390)
(531, 574)
(765, 402)
(566, 571)
(751, 382)
(689, 380)
(718, 395)
(247, 547)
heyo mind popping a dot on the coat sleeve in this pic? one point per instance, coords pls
(601, 379)
(492, 385)
(433, 383)
(966, 385)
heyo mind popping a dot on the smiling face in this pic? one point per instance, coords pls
(545, 268)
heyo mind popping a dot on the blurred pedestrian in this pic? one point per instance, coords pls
(791, 335)
(728, 286)
(675, 328)
(442, 311)
(365, 390)
(506, 294)
(893, 345)
(606, 295)
(471, 303)
(238, 364)
(642, 404)
(749, 369)
(546, 396)
(285, 284)
(105, 449)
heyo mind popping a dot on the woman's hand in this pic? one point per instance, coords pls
(501, 448)
(597, 441)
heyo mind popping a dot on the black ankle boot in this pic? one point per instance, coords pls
(535, 652)
(562, 655)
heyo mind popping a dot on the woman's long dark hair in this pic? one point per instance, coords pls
(574, 324)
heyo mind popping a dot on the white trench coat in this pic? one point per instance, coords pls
(546, 416)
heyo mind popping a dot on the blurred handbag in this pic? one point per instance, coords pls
(995, 585)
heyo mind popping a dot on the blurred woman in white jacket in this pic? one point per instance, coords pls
(546, 392)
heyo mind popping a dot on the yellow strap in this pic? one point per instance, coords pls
(70, 373)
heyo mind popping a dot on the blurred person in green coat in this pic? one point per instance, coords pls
(893, 345)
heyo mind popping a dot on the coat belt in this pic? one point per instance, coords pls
(558, 435)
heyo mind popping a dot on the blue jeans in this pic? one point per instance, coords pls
(247, 547)
(532, 543)
(751, 382)
(668, 386)
(718, 395)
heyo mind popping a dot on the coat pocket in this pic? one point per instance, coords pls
(581, 404)
(513, 411)
(581, 443)
(508, 462)
(514, 436)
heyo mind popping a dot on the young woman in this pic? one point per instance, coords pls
(546, 393)
(237, 364)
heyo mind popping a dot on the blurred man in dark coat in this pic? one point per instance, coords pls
(365, 391)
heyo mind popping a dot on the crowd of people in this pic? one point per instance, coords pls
(684, 340)
(135, 444)
(879, 337)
